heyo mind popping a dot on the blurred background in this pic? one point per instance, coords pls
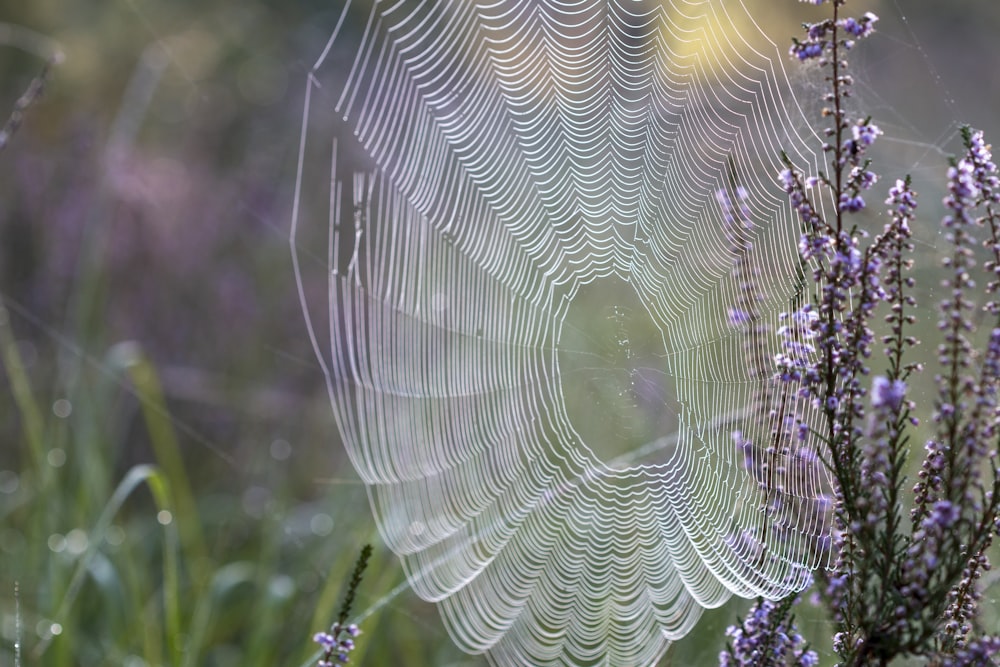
(151, 305)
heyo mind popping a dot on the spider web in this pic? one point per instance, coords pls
(555, 269)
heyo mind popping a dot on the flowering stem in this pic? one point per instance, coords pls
(838, 115)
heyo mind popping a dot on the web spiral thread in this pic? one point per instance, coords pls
(513, 155)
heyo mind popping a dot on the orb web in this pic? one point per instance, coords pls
(556, 254)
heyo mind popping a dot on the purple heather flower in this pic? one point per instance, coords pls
(887, 393)
(982, 651)
(945, 513)
(818, 31)
(765, 630)
(787, 179)
(865, 132)
(738, 317)
(807, 50)
(850, 260)
(865, 179)
(903, 201)
(824, 503)
(809, 659)
(859, 27)
(807, 455)
(962, 185)
(737, 219)
(978, 149)
(901, 192)
(337, 644)
(851, 204)
(746, 447)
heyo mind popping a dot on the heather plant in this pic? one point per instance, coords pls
(767, 636)
(338, 642)
(906, 566)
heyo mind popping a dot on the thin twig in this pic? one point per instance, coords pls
(30, 96)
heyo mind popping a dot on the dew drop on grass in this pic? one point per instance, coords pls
(9, 481)
(281, 450)
(321, 524)
(282, 587)
(115, 536)
(77, 541)
(46, 629)
(62, 408)
(164, 517)
(56, 457)
(57, 543)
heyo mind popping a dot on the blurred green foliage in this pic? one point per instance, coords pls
(151, 318)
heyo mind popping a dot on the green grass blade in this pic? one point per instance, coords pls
(34, 425)
(159, 487)
(165, 444)
(225, 580)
